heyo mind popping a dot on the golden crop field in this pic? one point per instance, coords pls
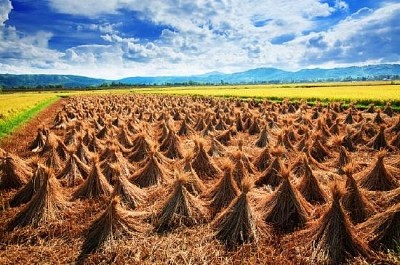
(323, 92)
(15, 103)
(18, 108)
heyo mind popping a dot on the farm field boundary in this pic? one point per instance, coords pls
(9, 124)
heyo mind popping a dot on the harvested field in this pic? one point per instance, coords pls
(156, 179)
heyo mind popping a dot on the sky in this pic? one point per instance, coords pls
(121, 38)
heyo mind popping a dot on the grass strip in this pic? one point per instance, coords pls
(11, 124)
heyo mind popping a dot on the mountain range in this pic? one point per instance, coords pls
(258, 75)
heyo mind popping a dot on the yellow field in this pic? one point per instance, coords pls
(13, 104)
(355, 92)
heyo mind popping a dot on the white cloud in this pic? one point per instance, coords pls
(206, 35)
(21, 52)
(5, 9)
(341, 5)
(368, 36)
(209, 35)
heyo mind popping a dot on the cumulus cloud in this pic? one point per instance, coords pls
(225, 35)
(366, 36)
(206, 35)
(5, 9)
(20, 52)
(341, 5)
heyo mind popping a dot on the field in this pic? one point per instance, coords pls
(159, 179)
(361, 94)
(17, 108)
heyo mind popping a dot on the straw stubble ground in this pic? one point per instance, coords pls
(60, 242)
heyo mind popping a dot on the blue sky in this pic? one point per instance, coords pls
(120, 38)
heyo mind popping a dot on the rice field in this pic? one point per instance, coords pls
(161, 179)
(362, 94)
(16, 109)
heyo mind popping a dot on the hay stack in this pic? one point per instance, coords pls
(254, 128)
(46, 205)
(26, 193)
(379, 141)
(202, 163)
(216, 148)
(193, 184)
(14, 173)
(310, 188)
(349, 118)
(140, 149)
(152, 173)
(286, 142)
(262, 140)
(347, 140)
(40, 140)
(240, 155)
(184, 129)
(262, 161)
(87, 137)
(209, 129)
(240, 172)
(343, 160)
(224, 137)
(124, 138)
(388, 109)
(271, 176)
(51, 152)
(95, 145)
(105, 133)
(171, 146)
(286, 209)
(318, 151)
(333, 239)
(180, 209)
(312, 161)
(378, 119)
(114, 157)
(221, 125)
(71, 137)
(236, 224)
(131, 195)
(82, 152)
(224, 191)
(396, 127)
(353, 200)
(302, 144)
(96, 185)
(298, 167)
(74, 171)
(113, 224)
(377, 177)
(200, 124)
(384, 229)
(165, 128)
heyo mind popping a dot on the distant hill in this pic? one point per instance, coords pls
(258, 75)
(68, 81)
